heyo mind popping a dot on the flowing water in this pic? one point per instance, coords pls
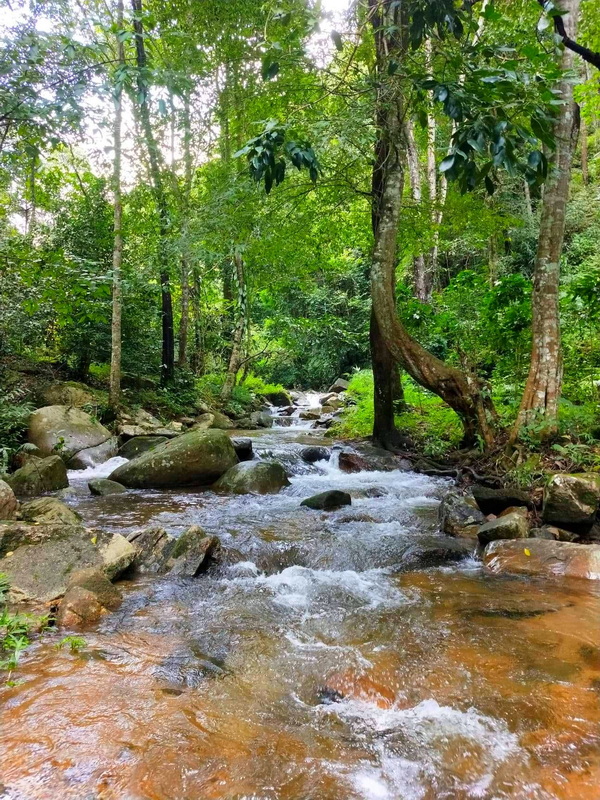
(330, 656)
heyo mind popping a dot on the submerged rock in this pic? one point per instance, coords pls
(460, 515)
(42, 558)
(95, 455)
(494, 501)
(191, 553)
(543, 557)
(510, 526)
(571, 501)
(89, 595)
(8, 502)
(197, 458)
(103, 487)
(49, 510)
(260, 418)
(39, 475)
(66, 430)
(328, 501)
(253, 477)
(140, 444)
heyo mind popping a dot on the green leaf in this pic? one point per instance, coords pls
(269, 69)
(337, 40)
(447, 163)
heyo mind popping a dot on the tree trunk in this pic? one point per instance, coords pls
(461, 391)
(543, 388)
(585, 172)
(114, 394)
(185, 260)
(160, 198)
(241, 324)
(421, 275)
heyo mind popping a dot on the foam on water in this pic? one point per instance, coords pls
(98, 471)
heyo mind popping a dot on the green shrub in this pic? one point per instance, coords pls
(14, 417)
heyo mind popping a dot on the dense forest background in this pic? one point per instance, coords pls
(201, 175)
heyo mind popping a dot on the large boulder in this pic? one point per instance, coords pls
(509, 526)
(153, 548)
(315, 453)
(203, 422)
(261, 419)
(197, 458)
(49, 510)
(543, 557)
(68, 394)
(278, 398)
(39, 475)
(102, 487)
(460, 515)
(95, 455)
(349, 461)
(8, 502)
(66, 430)
(221, 422)
(253, 477)
(158, 552)
(42, 558)
(571, 501)
(328, 501)
(89, 595)
(140, 444)
(340, 385)
(494, 501)
(243, 448)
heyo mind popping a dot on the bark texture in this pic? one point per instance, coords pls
(543, 388)
(241, 326)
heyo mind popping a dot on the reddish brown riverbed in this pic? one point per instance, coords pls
(447, 683)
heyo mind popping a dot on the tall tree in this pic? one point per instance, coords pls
(543, 388)
(115, 356)
(160, 196)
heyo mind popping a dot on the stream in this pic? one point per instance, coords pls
(328, 657)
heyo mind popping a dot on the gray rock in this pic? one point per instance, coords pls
(253, 477)
(315, 453)
(66, 430)
(494, 501)
(197, 458)
(552, 533)
(511, 526)
(49, 510)
(262, 419)
(340, 385)
(460, 515)
(89, 595)
(310, 414)
(95, 455)
(545, 558)
(221, 422)
(279, 398)
(328, 501)
(94, 580)
(39, 475)
(40, 566)
(571, 501)
(153, 548)
(243, 448)
(203, 422)
(140, 444)
(68, 394)
(103, 487)
(8, 502)
(192, 553)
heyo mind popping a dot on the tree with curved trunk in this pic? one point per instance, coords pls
(543, 388)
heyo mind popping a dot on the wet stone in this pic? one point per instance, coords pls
(328, 501)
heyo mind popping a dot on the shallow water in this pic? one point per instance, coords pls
(323, 659)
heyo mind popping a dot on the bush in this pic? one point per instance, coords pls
(14, 417)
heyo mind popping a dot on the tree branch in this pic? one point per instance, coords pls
(588, 55)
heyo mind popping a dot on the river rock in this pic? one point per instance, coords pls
(351, 462)
(89, 595)
(191, 553)
(253, 477)
(221, 422)
(203, 422)
(40, 566)
(340, 385)
(197, 458)
(102, 487)
(68, 394)
(153, 548)
(494, 501)
(39, 475)
(49, 510)
(95, 455)
(243, 448)
(511, 526)
(315, 453)
(65, 429)
(310, 414)
(328, 501)
(543, 557)
(8, 502)
(460, 515)
(571, 501)
(140, 444)
(278, 398)
(261, 418)
(554, 534)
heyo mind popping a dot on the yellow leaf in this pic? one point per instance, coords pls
(527, 552)
(94, 539)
